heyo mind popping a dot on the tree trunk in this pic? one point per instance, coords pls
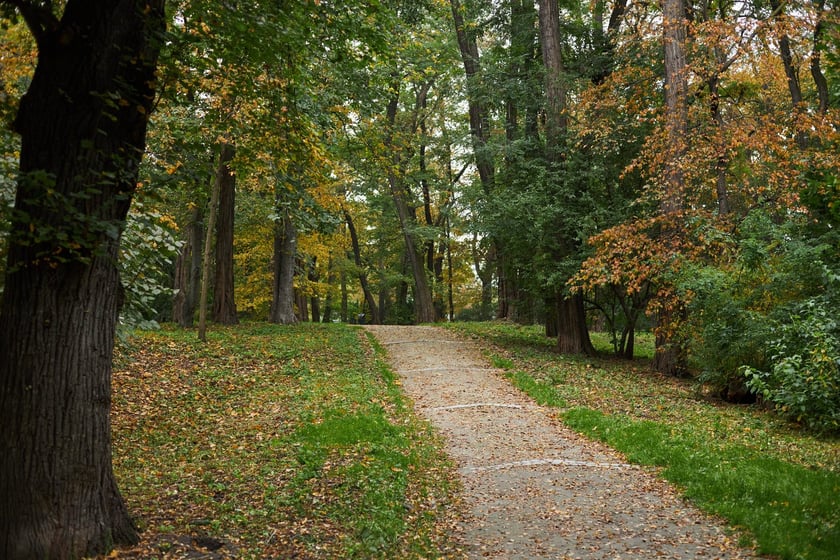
(375, 318)
(670, 353)
(722, 161)
(792, 75)
(479, 115)
(188, 273)
(555, 87)
(224, 304)
(301, 301)
(208, 249)
(479, 125)
(328, 301)
(314, 300)
(285, 252)
(343, 310)
(78, 171)
(816, 56)
(676, 106)
(572, 332)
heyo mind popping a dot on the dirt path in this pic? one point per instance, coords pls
(533, 488)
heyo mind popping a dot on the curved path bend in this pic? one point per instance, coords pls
(534, 489)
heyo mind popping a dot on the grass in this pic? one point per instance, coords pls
(777, 484)
(272, 440)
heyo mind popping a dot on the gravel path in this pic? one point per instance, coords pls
(532, 488)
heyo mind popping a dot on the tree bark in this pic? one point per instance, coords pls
(83, 126)
(301, 301)
(314, 300)
(792, 75)
(188, 273)
(816, 57)
(670, 353)
(285, 252)
(328, 300)
(224, 304)
(572, 332)
(479, 130)
(555, 87)
(676, 105)
(208, 249)
(479, 115)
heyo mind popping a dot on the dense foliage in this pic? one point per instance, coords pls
(425, 161)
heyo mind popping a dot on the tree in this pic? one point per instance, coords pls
(670, 355)
(570, 315)
(188, 273)
(423, 307)
(215, 193)
(82, 125)
(479, 136)
(224, 305)
(285, 253)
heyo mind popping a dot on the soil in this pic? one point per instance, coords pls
(532, 488)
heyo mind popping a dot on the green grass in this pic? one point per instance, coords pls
(281, 441)
(776, 483)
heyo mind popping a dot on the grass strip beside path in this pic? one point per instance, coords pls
(276, 442)
(779, 485)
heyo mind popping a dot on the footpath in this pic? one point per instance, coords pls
(533, 489)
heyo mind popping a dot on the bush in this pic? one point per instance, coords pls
(803, 381)
(762, 322)
(727, 331)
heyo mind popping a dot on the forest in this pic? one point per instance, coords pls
(607, 166)
(618, 167)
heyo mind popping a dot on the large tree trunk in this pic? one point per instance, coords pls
(82, 125)
(285, 252)
(479, 115)
(188, 273)
(670, 353)
(572, 331)
(224, 304)
(555, 86)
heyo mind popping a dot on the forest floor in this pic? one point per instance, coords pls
(532, 488)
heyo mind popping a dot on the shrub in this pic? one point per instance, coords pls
(727, 331)
(803, 381)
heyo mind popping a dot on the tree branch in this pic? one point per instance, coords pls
(37, 15)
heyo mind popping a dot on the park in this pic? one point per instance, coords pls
(315, 279)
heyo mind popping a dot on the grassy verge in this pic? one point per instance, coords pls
(779, 485)
(276, 442)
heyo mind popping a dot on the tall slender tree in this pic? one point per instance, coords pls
(224, 304)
